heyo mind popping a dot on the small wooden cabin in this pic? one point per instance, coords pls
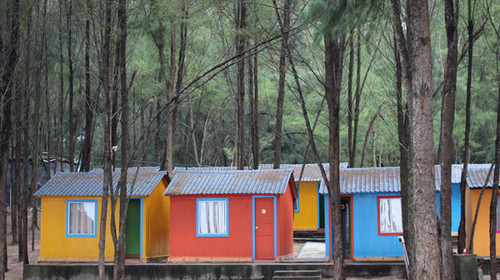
(371, 212)
(71, 209)
(476, 178)
(231, 215)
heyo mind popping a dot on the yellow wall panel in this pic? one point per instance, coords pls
(307, 217)
(53, 239)
(157, 222)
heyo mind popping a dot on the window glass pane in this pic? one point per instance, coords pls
(81, 218)
(212, 217)
(390, 215)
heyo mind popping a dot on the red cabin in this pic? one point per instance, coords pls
(219, 216)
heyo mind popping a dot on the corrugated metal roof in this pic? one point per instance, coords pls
(386, 179)
(187, 182)
(133, 169)
(91, 183)
(312, 173)
(476, 177)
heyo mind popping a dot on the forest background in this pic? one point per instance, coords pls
(52, 72)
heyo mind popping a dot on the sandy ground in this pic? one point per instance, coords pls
(15, 268)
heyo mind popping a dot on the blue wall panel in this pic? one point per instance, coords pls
(367, 242)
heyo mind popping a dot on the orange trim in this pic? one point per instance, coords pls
(350, 196)
(378, 216)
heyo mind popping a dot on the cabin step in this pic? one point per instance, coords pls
(297, 274)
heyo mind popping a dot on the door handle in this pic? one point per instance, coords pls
(256, 227)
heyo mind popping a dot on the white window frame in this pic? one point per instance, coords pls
(91, 208)
(223, 229)
(389, 203)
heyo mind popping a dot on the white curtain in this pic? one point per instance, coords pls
(391, 220)
(212, 217)
(82, 217)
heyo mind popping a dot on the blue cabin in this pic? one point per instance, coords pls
(371, 212)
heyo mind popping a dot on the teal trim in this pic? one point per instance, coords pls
(68, 202)
(327, 228)
(275, 225)
(317, 201)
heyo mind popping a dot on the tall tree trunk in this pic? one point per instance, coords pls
(281, 85)
(446, 140)
(6, 91)
(404, 145)
(334, 53)
(240, 92)
(89, 100)
(59, 146)
(255, 124)
(357, 97)
(496, 177)
(415, 53)
(107, 86)
(71, 124)
(466, 155)
(169, 165)
(349, 100)
(26, 129)
(46, 87)
(18, 104)
(251, 105)
(119, 267)
(427, 255)
(36, 138)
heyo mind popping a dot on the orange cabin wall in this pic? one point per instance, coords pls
(157, 207)
(183, 240)
(482, 233)
(285, 210)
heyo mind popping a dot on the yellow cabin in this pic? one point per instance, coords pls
(476, 178)
(310, 208)
(71, 210)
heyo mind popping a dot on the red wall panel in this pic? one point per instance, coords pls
(185, 243)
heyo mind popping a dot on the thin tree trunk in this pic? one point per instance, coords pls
(255, 124)
(240, 93)
(368, 131)
(334, 53)
(281, 85)
(119, 267)
(357, 97)
(6, 90)
(251, 105)
(71, 124)
(89, 100)
(349, 100)
(463, 180)
(169, 165)
(496, 177)
(106, 80)
(59, 147)
(26, 129)
(446, 141)
(404, 138)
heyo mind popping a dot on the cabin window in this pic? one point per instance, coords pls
(81, 218)
(212, 217)
(390, 221)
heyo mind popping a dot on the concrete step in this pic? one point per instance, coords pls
(297, 274)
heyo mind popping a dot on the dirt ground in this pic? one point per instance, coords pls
(15, 268)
